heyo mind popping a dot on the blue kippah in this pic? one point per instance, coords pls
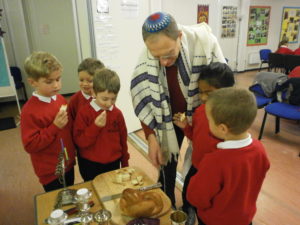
(156, 22)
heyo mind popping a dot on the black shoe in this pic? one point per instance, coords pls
(191, 217)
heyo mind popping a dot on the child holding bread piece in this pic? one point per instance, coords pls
(45, 126)
(100, 131)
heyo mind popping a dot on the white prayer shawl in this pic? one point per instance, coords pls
(150, 91)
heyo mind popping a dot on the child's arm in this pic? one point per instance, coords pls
(35, 137)
(204, 185)
(180, 120)
(123, 134)
(85, 135)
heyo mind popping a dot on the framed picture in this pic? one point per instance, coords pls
(290, 24)
(229, 17)
(202, 15)
(258, 27)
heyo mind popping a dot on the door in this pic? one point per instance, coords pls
(50, 27)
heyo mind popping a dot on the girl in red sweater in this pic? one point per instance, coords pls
(100, 131)
(44, 127)
(226, 186)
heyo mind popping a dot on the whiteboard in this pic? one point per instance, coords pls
(117, 29)
(6, 88)
(7, 85)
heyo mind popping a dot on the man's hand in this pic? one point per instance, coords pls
(61, 119)
(154, 151)
(179, 119)
(100, 120)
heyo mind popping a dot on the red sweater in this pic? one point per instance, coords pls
(203, 141)
(227, 184)
(295, 72)
(297, 51)
(41, 138)
(76, 101)
(284, 50)
(103, 145)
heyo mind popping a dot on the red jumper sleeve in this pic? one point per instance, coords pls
(188, 131)
(36, 138)
(204, 185)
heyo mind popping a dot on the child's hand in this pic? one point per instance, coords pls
(100, 120)
(180, 120)
(61, 119)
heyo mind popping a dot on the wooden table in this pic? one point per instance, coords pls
(44, 203)
(100, 186)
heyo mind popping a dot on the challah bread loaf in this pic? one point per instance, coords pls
(135, 203)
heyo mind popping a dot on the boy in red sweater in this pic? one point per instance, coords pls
(100, 131)
(213, 76)
(86, 71)
(226, 186)
(44, 125)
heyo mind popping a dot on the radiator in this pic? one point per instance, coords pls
(253, 58)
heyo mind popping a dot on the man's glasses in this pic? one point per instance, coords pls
(164, 57)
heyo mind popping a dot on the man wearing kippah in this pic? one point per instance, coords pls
(165, 82)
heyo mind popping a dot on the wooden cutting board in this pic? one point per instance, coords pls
(104, 185)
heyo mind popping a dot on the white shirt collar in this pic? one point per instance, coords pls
(235, 144)
(97, 107)
(43, 98)
(87, 97)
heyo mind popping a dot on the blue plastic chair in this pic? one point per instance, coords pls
(264, 56)
(261, 99)
(280, 110)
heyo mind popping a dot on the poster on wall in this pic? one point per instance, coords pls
(229, 17)
(202, 15)
(258, 27)
(290, 24)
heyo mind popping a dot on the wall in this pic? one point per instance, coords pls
(234, 49)
(274, 28)
(188, 16)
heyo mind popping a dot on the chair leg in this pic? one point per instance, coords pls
(260, 66)
(277, 125)
(262, 126)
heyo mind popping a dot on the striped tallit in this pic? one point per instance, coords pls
(150, 91)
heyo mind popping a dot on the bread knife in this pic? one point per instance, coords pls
(118, 195)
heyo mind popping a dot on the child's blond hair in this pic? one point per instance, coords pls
(234, 107)
(90, 65)
(41, 64)
(106, 80)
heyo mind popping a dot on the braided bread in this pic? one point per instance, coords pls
(135, 203)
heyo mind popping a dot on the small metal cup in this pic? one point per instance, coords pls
(57, 217)
(178, 217)
(82, 198)
(102, 217)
